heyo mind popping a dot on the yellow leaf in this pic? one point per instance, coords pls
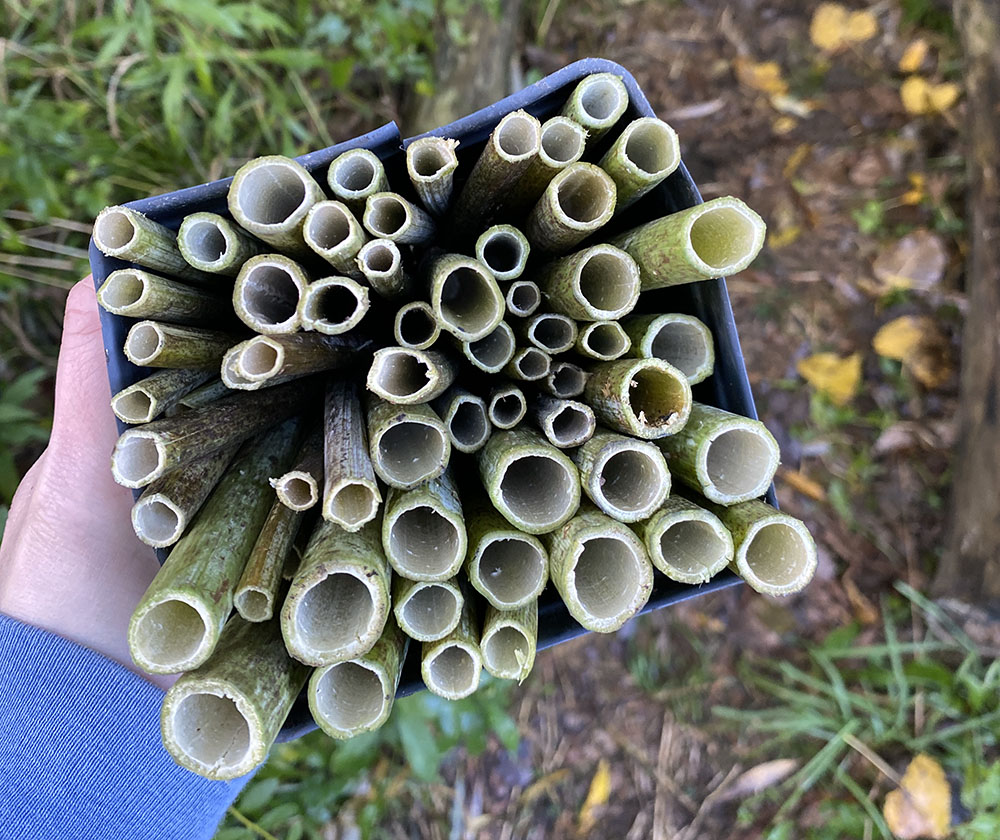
(837, 377)
(783, 125)
(799, 481)
(943, 96)
(921, 807)
(597, 796)
(913, 56)
(795, 160)
(917, 191)
(919, 345)
(833, 28)
(921, 97)
(899, 338)
(765, 77)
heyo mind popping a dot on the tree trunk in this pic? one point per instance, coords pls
(968, 580)
(471, 70)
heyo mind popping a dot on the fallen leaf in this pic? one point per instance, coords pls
(921, 806)
(836, 376)
(784, 125)
(917, 191)
(544, 785)
(597, 796)
(922, 97)
(864, 609)
(759, 778)
(917, 261)
(765, 76)
(782, 238)
(795, 160)
(834, 28)
(919, 344)
(785, 104)
(800, 482)
(913, 56)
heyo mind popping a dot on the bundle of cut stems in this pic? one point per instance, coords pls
(355, 340)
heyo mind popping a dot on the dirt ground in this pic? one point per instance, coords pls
(856, 192)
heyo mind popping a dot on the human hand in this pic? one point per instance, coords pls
(69, 561)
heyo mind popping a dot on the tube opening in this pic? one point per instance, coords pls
(467, 300)
(328, 226)
(778, 554)
(380, 258)
(355, 173)
(650, 146)
(335, 613)
(113, 230)
(386, 215)
(495, 350)
(123, 288)
(739, 462)
(571, 425)
(469, 426)
(417, 326)
(656, 397)
(453, 671)
(423, 542)
(601, 98)
(269, 294)
(501, 648)
(517, 136)
(134, 407)
(693, 547)
(170, 634)
(259, 358)
(567, 380)
(411, 451)
(211, 730)
(350, 696)
(429, 160)
(532, 364)
(555, 333)
(631, 480)
(158, 522)
(503, 252)
(271, 193)
(353, 504)
(537, 490)
(511, 569)
(508, 409)
(137, 458)
(431, 611)
(607, 574)
(524, 297)
(722, 237)
(606, 340)
(205, 241)
(682, 344)
(143, 343)
(401, 374)
(609, 282)
(562, 142)
(254, 604)
(583, 196)
(299, 492)
(332, 303)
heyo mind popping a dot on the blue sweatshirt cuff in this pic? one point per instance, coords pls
(80, 750)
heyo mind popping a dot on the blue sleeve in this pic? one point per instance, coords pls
(80, 750)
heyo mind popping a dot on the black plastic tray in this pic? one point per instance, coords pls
(727, 388)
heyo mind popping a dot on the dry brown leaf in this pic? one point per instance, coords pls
(800, 482)
(759, 778)
(834, 28)
(917, 342)
(921, 807)
(917, 261)
(913, 56)
(864, 609)
(765, 76)
(922, 97)
(836, 376)
(597, 796)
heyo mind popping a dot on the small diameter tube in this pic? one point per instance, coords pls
(351, 496)
(687, 543)
(177, 623)
(355, 175)
(597, 103)
(415, 326)
(642, 156)
(645, 398)
(714, 239)
(523, 298)
(212, 243)
(529, 364)
(577, 202)
(299, 488)
(148, 398)
(506, 566)
(565, 380)
(507, 406)
(565, 423)
(423, 531)
(451, 667)
(408, 444)
(267, 293)
(626, 478)
(725, 457)
(603, 340)
(431, 163)
(775, 553)
(509, 640)
(338, 602)
(348, 698)
(161, 514)
(506, 156)
(682, 340)
(427, 610)
(257, 590)
(600, 283)
(531, 483)
(550, 332)
(504, 250)
(128, 235)
(404, 377)
(562, 142)
(381, 264)
(270, 197)
(332, 231)
(491, 353)
(333, 305)
(270, 358)
(465, 417)
(159, 345)
(222, 720)
(135, 293)
(145, 453)
(465, 297)
(390, 216)
(601, 570)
